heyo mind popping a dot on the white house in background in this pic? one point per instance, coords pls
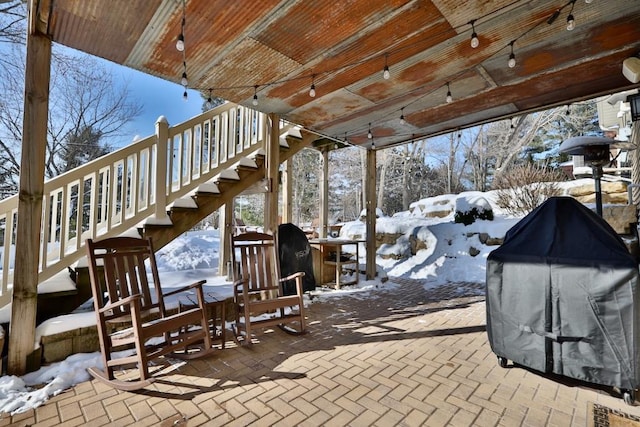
(614, 119)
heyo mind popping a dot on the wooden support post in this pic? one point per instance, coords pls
(287, 192)
(225, 223)
(162, 138)
(34, 143)
(324, 194)
(273, 167)
(370, 191)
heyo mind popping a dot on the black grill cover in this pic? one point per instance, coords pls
(562, 296)
(294, 252)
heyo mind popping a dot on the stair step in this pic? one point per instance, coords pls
(184, 203)
(227, 175)
(208, 187)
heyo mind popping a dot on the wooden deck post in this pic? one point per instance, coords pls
(370, 196)
(287, 192)
(225, 224)
(162, 136)
(34, 142)
(324, 194)
(273, 167)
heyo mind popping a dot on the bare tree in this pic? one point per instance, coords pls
(12, 18)
(85, 103)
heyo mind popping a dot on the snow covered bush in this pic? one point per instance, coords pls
(470, 208)
(524, 187)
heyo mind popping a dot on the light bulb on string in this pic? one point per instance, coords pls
(180, 43)
(185, 95)
(568, 112)
(255, 95)
(312, 91)
(449, 98)
(385, 73)
(512, 56)
(402, 120)
(571, 23)
(369, 134)
(184, 80)
(209, 103)
(588, 1)
(475, 42)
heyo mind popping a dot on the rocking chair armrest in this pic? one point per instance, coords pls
(239, 282)
(124, 301)
(292, 276)
(185, 288)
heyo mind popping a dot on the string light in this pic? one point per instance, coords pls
(386, 74)
(184, 80)
(209, 103)
(571, 23)
(512, 56)
(475, 42)
(180, 41)
(568, 112)
(402, 120)
(185, 95)
(312, 91)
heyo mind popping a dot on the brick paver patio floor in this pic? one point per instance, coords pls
(400, 355)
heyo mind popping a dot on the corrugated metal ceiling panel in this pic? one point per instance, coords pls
(280, 44)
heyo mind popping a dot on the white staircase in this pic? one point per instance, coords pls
(160, 185)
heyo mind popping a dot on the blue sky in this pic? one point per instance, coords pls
(158, 97)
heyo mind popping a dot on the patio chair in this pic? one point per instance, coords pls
(258, 288)
(123, 298)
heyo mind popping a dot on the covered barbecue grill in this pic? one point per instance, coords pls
(562, 297)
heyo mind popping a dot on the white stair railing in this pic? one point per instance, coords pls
(119, 191)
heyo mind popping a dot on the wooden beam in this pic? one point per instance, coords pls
(162, 143)
(370, 195)
(225, 224)
(273, 167)
(34, 142)
(324, 193)
(287, 192)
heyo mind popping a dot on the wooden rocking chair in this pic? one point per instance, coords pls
(258, 288)
(122, 295)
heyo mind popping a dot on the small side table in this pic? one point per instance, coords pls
(216, 312)
(334, 258)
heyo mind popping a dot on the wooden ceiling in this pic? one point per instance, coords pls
(278, 48)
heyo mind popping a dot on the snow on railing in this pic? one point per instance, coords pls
(110, 195)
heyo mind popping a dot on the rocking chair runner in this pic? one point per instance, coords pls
(121, 293)
(258, 288)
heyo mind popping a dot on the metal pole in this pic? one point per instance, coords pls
(597, 174)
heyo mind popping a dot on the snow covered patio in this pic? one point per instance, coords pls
(403, 355)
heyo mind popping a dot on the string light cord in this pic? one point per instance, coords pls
(455, 76)
(389, 53)
(398, 50)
